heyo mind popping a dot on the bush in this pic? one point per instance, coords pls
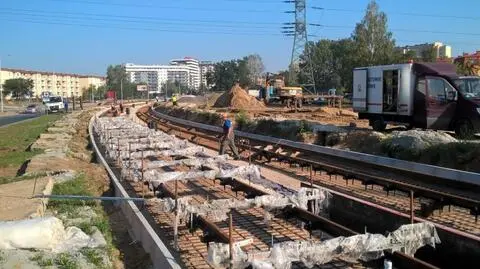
(242, 120)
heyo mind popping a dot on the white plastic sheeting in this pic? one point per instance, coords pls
(117, 133)
(217, 210)
(46, 233)
(408, 239)
(155, 178)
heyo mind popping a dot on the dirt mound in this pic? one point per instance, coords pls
(192, 99)
(238, 98)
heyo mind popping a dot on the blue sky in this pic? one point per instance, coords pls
(85, 36)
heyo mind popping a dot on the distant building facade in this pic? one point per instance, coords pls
(62, 84)
(441, 50)
(186, 71)
(206, 67)
(193, 67)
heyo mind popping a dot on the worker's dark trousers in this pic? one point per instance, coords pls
(228, 141)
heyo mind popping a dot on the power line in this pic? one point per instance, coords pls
(69, 17)
(137, 17)
(190, 31)
(214, 23)
(401, 13)
(400, 30)
(162, 7)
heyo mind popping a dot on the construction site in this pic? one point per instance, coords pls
(284, 204)
(359, 152)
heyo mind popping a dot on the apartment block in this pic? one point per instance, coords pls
(185, 71)
(441, 50)
(206, 67)
(61, 84)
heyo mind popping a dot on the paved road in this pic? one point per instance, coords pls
(15, 118)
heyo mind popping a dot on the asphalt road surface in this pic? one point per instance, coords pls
(15, 118)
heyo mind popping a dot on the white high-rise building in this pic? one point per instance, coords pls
(184, 71)
(193, 68)
(152, 75)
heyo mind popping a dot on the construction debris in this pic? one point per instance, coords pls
(47, 234)
(366, 247)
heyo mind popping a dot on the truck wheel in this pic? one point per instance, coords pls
(379, 125)
(464, 128)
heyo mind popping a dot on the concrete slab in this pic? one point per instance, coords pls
(14, 198)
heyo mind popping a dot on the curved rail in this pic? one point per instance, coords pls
(442, 185)
(389, 163)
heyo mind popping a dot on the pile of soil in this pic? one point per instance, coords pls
(192, 99)
(238, 98)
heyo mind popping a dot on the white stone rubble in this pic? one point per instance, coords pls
(407, 239)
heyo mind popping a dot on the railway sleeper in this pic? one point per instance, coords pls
(429, 206)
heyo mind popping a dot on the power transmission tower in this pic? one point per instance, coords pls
(298, 30)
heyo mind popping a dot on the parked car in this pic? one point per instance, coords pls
(32, 109)
(55, 104)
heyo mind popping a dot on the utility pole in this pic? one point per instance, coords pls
(298, 30)
(121, 89)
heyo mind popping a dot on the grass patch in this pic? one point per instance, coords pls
(66, 261)
(80, 186)
(41, 261)
(18, 137)
(77, 186)
(2, 257)
(93, 256)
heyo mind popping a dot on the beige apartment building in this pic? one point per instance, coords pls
(441, 50)
(61, 84)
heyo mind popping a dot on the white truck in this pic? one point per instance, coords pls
(55, 104)
(421, 95)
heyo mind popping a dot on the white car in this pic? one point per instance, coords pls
(55, 104)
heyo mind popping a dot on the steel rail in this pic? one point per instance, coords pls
(435, 192)
(388, 163)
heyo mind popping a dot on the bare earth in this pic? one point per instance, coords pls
(15, 203)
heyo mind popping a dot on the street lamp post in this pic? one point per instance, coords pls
(121, 89)
(178, 84)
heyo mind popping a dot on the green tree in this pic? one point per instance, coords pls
(225, 75)
(255, 68)
(332, 62)
(373, 42)
(245, 71)
(18, 87)
(409, 55)
(117, 79)
(429, 54)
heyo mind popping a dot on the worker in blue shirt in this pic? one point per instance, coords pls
(65, 105)
(228, 137)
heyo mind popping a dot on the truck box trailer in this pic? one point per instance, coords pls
(421, 95)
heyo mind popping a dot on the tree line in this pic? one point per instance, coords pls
(332, 61)
(245, 71)
(371, 43)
